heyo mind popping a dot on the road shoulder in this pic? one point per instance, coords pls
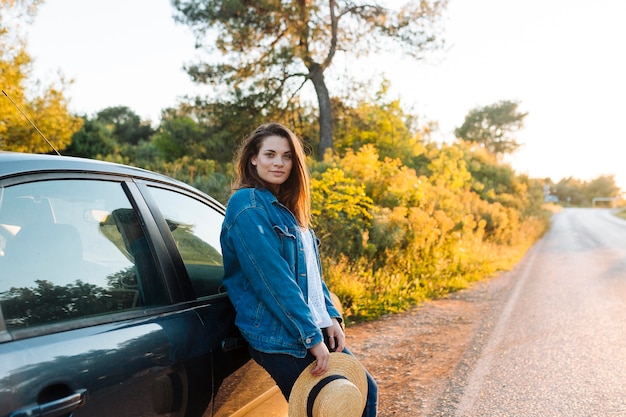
(421, 358)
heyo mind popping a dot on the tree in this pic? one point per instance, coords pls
(602, 186)
(14, 11)
(11, 74)
(127, 127)
(570, 191)
(271, 48)
(223, 122)
(179, 135)
(378, 122)
(490, 180)
(581, 193)
(493, 127)
(47, 108)
(341, 208)
(92, 140)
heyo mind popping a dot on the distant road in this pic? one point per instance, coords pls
(559, 346)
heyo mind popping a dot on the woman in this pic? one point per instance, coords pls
(272, 266)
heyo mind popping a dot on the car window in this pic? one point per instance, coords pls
(72, 249)
(196, 230)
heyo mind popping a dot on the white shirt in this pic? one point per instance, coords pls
(314, 283)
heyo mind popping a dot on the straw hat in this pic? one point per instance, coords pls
(340, 392)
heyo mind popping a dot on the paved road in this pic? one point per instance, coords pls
(558, 348)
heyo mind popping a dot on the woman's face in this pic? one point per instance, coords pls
(274, 161)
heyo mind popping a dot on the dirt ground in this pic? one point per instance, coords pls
(421, 358)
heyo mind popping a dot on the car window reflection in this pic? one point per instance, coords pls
(195, 227)
(72, 249)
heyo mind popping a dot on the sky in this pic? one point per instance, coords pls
(564, 61)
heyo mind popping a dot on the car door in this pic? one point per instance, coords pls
(192, 225)
(241, 387)
(91, 317)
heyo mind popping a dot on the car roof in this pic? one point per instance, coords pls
(15, 163)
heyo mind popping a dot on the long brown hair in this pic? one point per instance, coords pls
(294, 193)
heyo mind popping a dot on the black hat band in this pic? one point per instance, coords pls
(316, 390)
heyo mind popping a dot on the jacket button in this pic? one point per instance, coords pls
(308, 341)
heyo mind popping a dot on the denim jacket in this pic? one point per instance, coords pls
(265, 274)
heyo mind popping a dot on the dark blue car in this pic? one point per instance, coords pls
(111, 301)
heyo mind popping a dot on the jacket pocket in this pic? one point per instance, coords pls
(259, 313)
(285, 231)
(289, 244)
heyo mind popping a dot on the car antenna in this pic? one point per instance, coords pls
(31, 122)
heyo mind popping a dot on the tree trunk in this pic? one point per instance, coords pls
(323, 98)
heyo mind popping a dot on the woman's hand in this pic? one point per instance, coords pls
(337, 342)
(337, 339)
(321, 353)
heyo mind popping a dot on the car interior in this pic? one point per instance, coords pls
(48, 275)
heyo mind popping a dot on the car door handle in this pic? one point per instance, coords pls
(232, 343)
(54, 408)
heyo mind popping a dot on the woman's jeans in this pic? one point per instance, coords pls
(285, 369)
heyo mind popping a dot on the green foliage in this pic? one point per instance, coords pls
(46, 106)
(179, 135)
(12, 14)
(377, 122)
(575, 192)
(448, 169)
(493, 127)
(269, 49)
(206, 175)
(92, 140)
(427, 235)
(401, 219)
(54, 303)
(225, 121)
(602, 186)
(497, 182)
(48, 112)
(387, 181)
(340, 208)
(126, 126)
(394, 231)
